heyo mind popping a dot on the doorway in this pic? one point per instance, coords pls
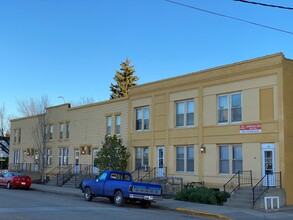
(161, 161)
(268, 164)
(76, 161)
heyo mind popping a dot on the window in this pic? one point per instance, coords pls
(19, 135)
(224, 158)
(142, 119)
(230, 108)
(61, 130)
(185, 113)
(142, 157)
(16, 157)
(51, 132)
(118, 124)
(67, 130)
(48, 157)
(180, 159)
(109, 123)
(185, 158)
(63, 156)
(190, 159)
(15, 136)
(237, 158)
(46, 133)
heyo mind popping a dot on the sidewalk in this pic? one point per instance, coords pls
(204, 210)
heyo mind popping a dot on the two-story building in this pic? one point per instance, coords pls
(202, 126)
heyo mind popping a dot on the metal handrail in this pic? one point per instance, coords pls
(238, 179)
(263, 188)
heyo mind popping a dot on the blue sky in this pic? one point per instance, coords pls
(72, 48)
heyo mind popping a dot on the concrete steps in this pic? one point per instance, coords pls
(241, 198)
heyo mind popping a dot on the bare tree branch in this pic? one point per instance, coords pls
(32, 106)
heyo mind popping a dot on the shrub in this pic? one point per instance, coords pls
(202, 195)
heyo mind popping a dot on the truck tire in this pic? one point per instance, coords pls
(145, 204)
(88, 194)
(118, 199)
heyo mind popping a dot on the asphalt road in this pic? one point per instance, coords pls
(17, 204)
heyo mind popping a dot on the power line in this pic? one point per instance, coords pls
(227, 16)
(263, 4)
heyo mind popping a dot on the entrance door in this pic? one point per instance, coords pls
(268, 164)
(76, 161)
(161, 162)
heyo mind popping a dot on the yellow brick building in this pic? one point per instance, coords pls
(203, 126)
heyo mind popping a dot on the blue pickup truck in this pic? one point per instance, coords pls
(118, 186)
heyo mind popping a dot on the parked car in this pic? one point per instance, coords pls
(15, 180)
(118, 186)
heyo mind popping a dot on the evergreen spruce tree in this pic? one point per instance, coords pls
(124, 79)
(113, 155)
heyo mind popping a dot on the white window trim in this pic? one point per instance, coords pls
(230, 152)
(184, 114)
(185, 159)
(142, 118)
(229, 109)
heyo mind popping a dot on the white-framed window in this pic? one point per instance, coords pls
(230, 108)
(48, 156)
(63, 156)
(142, 121)
(61, 131)
(16, 156)
(118, 124)
(109, 125)
(51, 132)
(230, 156)
(142, 157)
(185, 113)
(185, 158)
(67, 130)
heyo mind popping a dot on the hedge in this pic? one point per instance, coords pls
(202, 195)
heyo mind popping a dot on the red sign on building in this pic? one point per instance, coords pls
(250, 128)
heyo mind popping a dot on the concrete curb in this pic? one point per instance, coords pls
(202, 214)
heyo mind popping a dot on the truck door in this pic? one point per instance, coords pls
(98, 188)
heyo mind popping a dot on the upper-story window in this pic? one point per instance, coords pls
(61, 131)
(51, 132)
(230, 108)
(142, 118)
(109, 125)
(19, 135)
(118, 124)
(67, 130)
(14, 136)
(185, 113)
(46, 132)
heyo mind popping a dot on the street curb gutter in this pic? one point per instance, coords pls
(202, 214)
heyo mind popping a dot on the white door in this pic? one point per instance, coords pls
(76, 161)
(268, 164)
(95, 168)
(161, 162)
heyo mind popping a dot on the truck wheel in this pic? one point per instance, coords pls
(118, 199)
(88, 194)
(145, 204)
